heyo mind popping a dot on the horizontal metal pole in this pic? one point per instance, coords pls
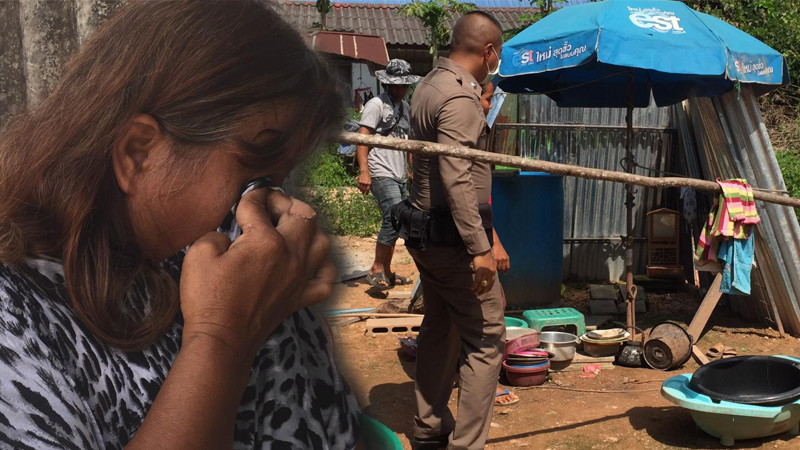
(578, 126)
(603, 240)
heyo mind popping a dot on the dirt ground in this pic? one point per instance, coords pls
(620, 408)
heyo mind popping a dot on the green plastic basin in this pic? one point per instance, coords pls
(514, 322)
(377, 436)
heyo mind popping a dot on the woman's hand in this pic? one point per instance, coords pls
(239, 292)
(233, 295)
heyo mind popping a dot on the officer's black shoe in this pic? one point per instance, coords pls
(434, 443)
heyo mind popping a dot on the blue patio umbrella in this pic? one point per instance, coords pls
(617, 53)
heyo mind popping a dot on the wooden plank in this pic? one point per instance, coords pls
(580, 360)
(699, 356)
(706, 308)
(578, 367)
(777, 317)
(775, 313)
(586, 359)
(402, 295)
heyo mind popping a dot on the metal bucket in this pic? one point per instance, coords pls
(668, 347)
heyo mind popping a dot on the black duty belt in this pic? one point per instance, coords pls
(420, 229)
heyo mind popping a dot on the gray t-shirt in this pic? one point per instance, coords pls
(379, 115)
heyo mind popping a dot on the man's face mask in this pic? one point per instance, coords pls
(491, 73)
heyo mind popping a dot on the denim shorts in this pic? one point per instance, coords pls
(388, 192)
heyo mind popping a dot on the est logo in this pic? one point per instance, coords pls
(659, 22)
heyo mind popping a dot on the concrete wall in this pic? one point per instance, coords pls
(36, 39)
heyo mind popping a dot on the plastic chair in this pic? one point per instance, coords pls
(540, 318)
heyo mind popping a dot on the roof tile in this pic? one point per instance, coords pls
(380, 19)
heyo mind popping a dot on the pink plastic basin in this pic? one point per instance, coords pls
(530, 340)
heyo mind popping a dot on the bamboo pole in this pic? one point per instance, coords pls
(430, 148)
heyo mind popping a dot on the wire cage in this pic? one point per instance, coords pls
(663, 244)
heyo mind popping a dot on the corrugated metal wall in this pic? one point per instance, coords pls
(594, 211)
(732, 142)
(702, 139)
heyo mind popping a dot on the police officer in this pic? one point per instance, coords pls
(463, 303)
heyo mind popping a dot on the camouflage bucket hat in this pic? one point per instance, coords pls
(398, 71)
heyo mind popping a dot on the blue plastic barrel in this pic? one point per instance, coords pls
(528, 215)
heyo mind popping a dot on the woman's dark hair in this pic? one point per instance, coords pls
(199, 68)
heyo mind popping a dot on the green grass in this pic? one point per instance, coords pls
(789, 161)
(344, 211)
(331, 189)
(326, 168)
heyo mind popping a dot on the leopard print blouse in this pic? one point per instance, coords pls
(60, 388)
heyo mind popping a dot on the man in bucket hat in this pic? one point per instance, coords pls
(383, 171)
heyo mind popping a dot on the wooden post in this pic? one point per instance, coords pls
(706, 308)
(701, 317)
(431, 148)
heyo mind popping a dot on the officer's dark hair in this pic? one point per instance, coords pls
(471, 34)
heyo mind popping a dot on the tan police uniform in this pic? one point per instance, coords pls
(460, 329)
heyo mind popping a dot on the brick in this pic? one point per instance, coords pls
(394, 325)
(601, 307)
(641, 307)
(602, 292)
(641, 293)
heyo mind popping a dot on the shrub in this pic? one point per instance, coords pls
(331, 190)
(325, 168)
(790, 168)
(344, 211)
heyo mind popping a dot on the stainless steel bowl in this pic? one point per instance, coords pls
(561, 345)
(515, 332)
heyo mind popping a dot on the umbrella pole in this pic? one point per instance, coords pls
(629, 203)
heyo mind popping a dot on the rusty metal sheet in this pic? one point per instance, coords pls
(352, 45)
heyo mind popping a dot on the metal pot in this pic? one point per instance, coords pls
(668, 347)
(631, 354)
(561, 345)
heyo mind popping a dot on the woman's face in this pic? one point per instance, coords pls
(185, 200)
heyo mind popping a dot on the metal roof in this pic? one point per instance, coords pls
(382, 20)
(351, 45)
(732, 142)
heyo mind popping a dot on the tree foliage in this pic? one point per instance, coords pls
(774, 22)
(543, 9)
(777, 24)
(323, 7)
(434, 15)
(789, 162)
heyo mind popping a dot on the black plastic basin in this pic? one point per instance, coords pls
(753, 380)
